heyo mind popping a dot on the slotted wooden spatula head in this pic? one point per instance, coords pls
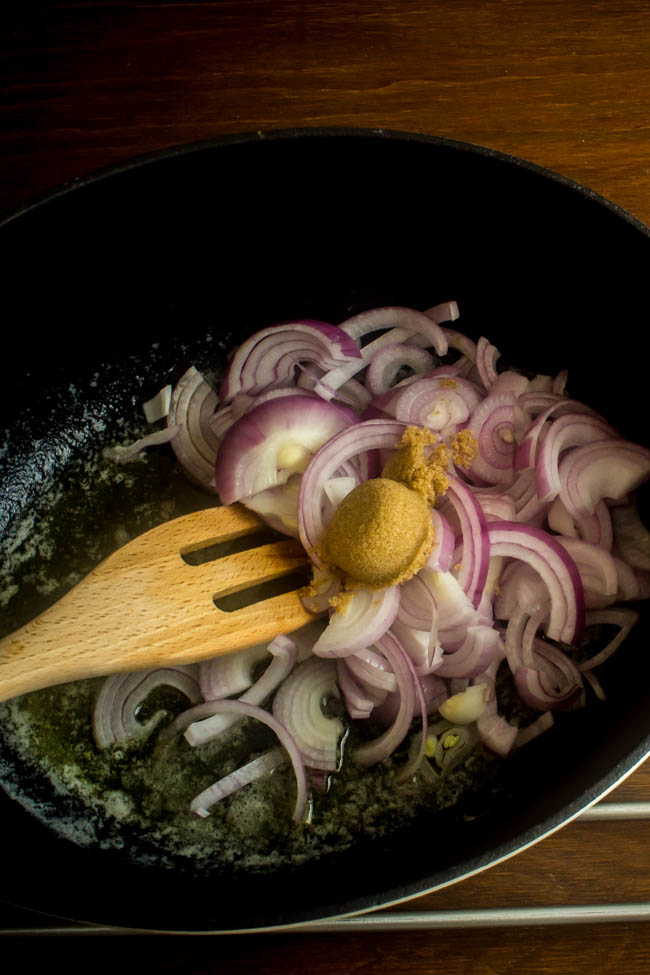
(146, 606)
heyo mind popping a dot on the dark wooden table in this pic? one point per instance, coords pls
(564, 83)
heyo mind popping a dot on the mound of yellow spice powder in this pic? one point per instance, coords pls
(381, 533)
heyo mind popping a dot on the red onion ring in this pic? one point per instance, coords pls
(383, 746)
(269, 357)
(297, 705)
(363, 620)
(241, 777)
(555, 566)
(121, 695)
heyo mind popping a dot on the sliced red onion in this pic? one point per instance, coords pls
(526, 452)
(442, 553)
(337, 488)
(269, 357)
(545, 677)
(193, 404)
(403, 323)
(121, 696)
(476, 550)
(622, 616)
(324, 586)
(439, 402)
(274, 440)
(512, 382)
(496, 733)
(352, 393)
(417, 608)
(365, 436)
(421, 645)
(537, 401)
(298, 705)
(540, 696)
(486, 359)
(242, 710)
(372, 670)
(560, 381)
(231, 673)
(521, 587)
(454, 608)
(221, 421)
(394, 317)
(358, 702)
(379, 749)
(278, 506)
(124, 454)
(495, 423)
(496, 506)
(570, 430)
(597, 528)
(434, 691)
(387, 363)
(555, 566)
(364, 618)
(284, 654)
(417, 756)
(560, 521)
(597, 570)
(241, 777)
(479, 649)
(603, 469)
(456, 340)
(445, 311)
(157, 407)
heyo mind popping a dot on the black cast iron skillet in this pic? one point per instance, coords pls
(114, 282)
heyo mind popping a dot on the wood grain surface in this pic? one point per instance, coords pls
(563, 83)
(174, 616)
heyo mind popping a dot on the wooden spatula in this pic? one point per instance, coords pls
(144, 606)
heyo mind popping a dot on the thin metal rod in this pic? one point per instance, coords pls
(608, 811)
(511, 917)
(517, 917)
